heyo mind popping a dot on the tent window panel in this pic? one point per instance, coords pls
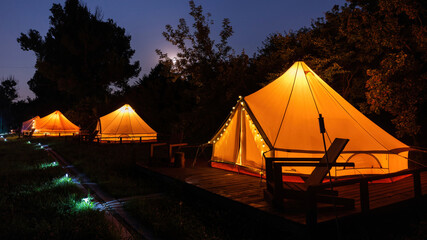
(364, 160)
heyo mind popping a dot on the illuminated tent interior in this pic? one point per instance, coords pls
(55, 124)
(281, 120)
(124, 124)
(29, 125)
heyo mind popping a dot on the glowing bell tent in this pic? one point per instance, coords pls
(29, 125)
(54, 124)
(124, 124)
(281, 120)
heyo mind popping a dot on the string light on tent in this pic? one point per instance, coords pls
(258, 139)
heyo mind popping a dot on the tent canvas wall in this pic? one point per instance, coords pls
(124, 124)
(281, 120)
(55, 124)
(29, 125)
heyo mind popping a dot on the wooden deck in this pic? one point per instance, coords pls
(248, 190)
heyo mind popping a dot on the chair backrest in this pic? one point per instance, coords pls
(319, 173)
(92, 136)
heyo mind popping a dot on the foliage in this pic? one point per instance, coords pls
(395, 32)
(7, 95)
(112, 166)
(7, 91)
(36, 206)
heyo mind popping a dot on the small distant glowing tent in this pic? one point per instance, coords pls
(29, 125)
(55, 124)
(281, 120)
(124, 124)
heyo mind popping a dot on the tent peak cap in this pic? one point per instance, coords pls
(126, 107)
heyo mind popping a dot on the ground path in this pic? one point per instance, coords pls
(127, 224)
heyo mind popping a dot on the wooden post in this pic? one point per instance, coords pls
(417, 184)
(170, 152)
(278, 186)
(364, 196)
(179, 160)
(269, 172)
(120, 140)
(140, 139)
(151, 150)
(311, 214)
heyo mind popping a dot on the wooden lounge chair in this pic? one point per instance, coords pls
(91, 137)
(30, 135)
(165, 151)
(276, 191)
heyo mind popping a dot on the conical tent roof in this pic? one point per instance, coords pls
(126, 124)
(288, 109)
(55, 124)
(282, 118)
(28, 125)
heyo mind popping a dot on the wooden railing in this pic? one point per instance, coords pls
(311, 217)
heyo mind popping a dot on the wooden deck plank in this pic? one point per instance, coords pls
(248, 190)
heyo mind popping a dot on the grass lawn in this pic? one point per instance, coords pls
(38, 201)
(170, 215)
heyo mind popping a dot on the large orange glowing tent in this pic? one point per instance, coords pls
(124, 124)
(281, 120)
(55, 124)
(29, 125)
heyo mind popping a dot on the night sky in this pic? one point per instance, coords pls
(145, 20)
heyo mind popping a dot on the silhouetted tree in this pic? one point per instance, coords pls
(393, 33)
(8, 94)
(216, 76)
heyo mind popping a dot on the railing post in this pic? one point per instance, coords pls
(269, 174)
(140, 139)
(417, 184)
(151, 150)
(120, 140)
(278, 186)
(311, 214)
(364, 196)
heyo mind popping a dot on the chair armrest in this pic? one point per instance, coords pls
(310, 164)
